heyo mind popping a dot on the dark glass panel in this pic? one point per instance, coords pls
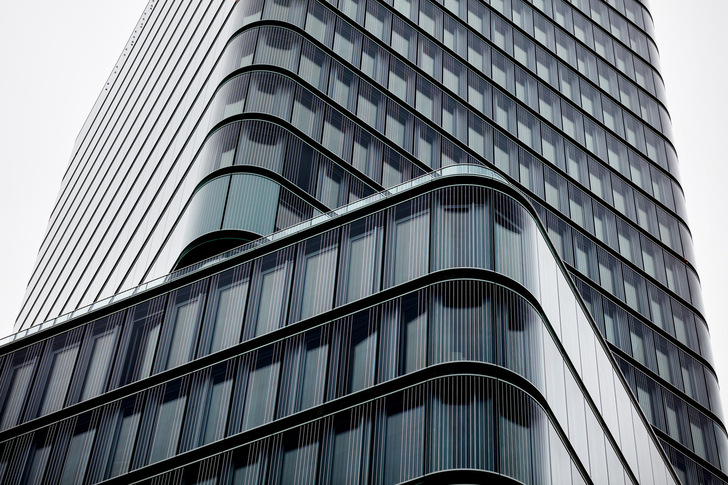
(96, 357)
(408, 241)
(209, 405)
(165, 410)
(305, 363)
(346, 457)
(360, 262)
(461, 427)
(461, 217)
(54, 374)
(313, 292)
(250, 464)
(523, 437)
(76, 459)
(181, 327)
(403, 344)
(120, 432)
(298, 456)
(353, 369)
(400, 440)
(225, 310)
(269, 293)
(17, 377)
(254, 402)
(139, 342)
(461, 323)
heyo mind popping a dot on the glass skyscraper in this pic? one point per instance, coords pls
(361, 241)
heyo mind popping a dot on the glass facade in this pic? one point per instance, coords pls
(460, 255)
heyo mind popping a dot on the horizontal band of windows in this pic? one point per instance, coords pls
(148, 440)
(441, 396)
(256, 141)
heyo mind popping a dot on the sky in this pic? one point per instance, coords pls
(56, 56)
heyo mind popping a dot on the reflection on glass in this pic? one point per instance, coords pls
(185, 323)
(403, 437)
(17, 386)
(227, 304)
(262, 385)
(361, 259)
(272, 276)
(58, 378)
(79, 452)
(317, 264)
(143, 326)
(215, 405)
(123, 438)
(99, 362)
(169, 413)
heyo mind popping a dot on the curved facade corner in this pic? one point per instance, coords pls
(470, 290)
(431, 212)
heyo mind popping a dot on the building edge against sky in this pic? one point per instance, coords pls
(461, 121)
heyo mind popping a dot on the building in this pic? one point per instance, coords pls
(503, 291)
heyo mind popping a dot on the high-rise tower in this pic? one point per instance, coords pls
(369, 242)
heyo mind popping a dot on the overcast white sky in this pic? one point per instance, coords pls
(56, 56)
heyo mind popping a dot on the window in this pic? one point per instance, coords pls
(314, 291)
(401, 81)
(360, 259)
(225, 310)
(299, 454)
(214, 389)
(400, 440)
(258, 378)
(167, 413)
(337, 133)
(374, 61)
(355, 365)
(453, 441)
(269, 293)
(348, 451)
(347, 40)
(461, 215)
(342, 86)
(462, 323)
(376, 20)
(16, 386)
(399, 126)
(184, 311)
(320, 22)
(305, 376)
(97, 354)
(79, 449)
(278, 47)
(124, 422)
(332, 181)
(408, 245)
(314, 65)
(54, 374)
(308, 113)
